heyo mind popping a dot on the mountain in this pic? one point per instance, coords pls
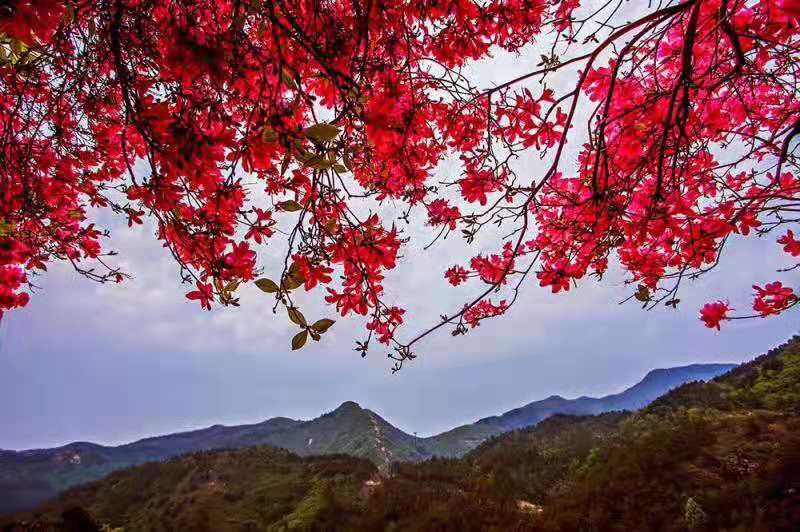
(460, 440)
(716, 455)
(30, 477)
(351, 430)
(215, 491)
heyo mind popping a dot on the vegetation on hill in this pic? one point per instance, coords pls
(245, 490)
(28, 478)
(720, 455)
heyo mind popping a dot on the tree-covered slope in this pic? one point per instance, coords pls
(30, 477)
(458, 441)
(257, 488)
(721, 455)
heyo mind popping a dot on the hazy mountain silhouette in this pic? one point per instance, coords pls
(29, 477)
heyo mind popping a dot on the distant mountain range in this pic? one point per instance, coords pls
(29, 477)
(458, 441)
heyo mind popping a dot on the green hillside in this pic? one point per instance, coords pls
(721, 455)
(28, 478)
(258, 488)
(350, 429)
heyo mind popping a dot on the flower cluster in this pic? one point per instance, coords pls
(714, 313)
(774, 298)
(204, 118)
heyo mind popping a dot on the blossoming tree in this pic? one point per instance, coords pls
(219, 119)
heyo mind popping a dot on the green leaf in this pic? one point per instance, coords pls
(643, 294)
(322, 325)
(321, 164)
(289, 206)
(269, 135)
(232, 286)
(296, 316)
(293, 278)
(6, 228)
(288, 79)
(285, 163)
(18, 46)
(290, 282)
(299, 340)
(310, 160)
(267, 285)
(322, 132)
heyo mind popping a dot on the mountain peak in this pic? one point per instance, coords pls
(657, 382)
(700, 370)
(555, 398)
(348, 405)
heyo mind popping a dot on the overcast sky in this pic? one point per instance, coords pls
(115, 363)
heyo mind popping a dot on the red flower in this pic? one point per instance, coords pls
(204, 294)
(222, 137)
(312, 274)
(482, 310)
(354, 300)
(385, 324)
(134, 217)
(11, 280)
(556, 276)
(441, 213)
(713, 313)
(790, 7)
(24, 19)
(476, 185)
(262, 228)
(456, 275)
(790, 245)
(240, 262)
(774, 298)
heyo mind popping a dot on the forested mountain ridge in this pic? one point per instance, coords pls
(720, 455)
(30, 477)
(654, 384)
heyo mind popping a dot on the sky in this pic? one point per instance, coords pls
(114, 363)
